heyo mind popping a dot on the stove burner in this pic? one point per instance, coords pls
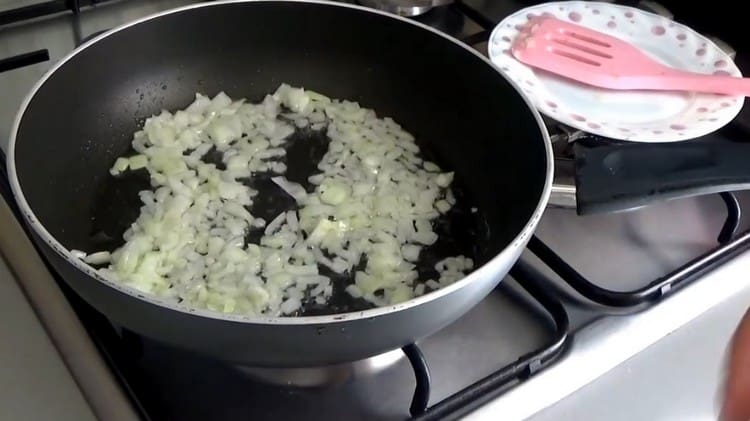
(404, 7)
(325, 376)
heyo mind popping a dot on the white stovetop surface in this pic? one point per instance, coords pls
(49, 367)
(676, 378)
(35, 384)
(665, 363)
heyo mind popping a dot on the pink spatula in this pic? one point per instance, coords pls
(598, 59)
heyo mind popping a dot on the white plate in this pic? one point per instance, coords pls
(635, 115)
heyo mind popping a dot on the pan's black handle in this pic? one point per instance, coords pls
(613, 177)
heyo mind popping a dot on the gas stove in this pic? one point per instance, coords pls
(591, 291)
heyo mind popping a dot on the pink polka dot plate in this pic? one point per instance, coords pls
(637, 116)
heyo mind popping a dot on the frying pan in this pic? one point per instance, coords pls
(82, 114)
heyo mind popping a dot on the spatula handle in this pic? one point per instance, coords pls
(695, 82)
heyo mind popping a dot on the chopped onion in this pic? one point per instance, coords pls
(275, 224)
(373, 197)
(78, 253)
(98, 258)
(296, 191)
(121, 164)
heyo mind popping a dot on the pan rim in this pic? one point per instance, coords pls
(519, 241)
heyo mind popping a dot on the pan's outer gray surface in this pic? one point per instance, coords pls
(333, 339)
(303, 341)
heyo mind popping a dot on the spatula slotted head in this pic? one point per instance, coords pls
(580, 53)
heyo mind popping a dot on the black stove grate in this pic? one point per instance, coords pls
(23, 60)
(493, 385)
(38, 11)
(730, 245)
(655, 290)
(45, 9)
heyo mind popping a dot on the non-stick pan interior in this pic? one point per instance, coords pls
(461, 110)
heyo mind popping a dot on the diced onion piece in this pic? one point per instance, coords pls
(275, 224)
(290, 305)
(442, 206)
(430, 166)
(444, 180)
(334, 193)
(296, 191)
(138, 161)
(354, 291)
(315, 96)
(419, 289)
(98, 258)
(78, 253)
(410, 252)
(120, 165)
